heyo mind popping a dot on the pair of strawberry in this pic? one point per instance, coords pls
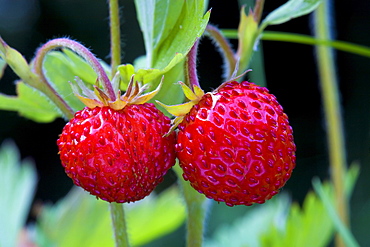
(235, 145)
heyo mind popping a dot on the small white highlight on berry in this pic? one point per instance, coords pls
(215, 98)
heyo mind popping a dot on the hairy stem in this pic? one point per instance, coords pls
(80, 50)
(333, 115)
(225, 49)
(191, 76)
(258, 9)
(115, 35)
(119, 224)
(196, 206)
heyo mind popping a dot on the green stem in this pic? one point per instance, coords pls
(117, 209)
(119, 224)
(306, 40)
(115, 35)
(226, 51)
(196, 205)
(333, 116)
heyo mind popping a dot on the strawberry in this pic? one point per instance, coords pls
(119, 155)
(236, 145)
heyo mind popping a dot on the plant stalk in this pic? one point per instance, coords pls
(115, 35)
(80, 50)
(258, 10)
(305, 40)
(190, 67)
(225, 49)
(119, 224)
(333, 115)
(117, 209)
(196, 206)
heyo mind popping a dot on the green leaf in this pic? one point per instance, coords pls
(305, 227)
(157, 19)
(155, 217)
(347, 236)
(80, 219)
(247, 230)
(17, 187)
(30, 103)
(63, 67)
(290, 10)
(327, 198)
(82, 69)
(146, 75)
(60, 69)
(172, 93)
(170, 27)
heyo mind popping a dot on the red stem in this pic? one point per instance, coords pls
(80, 50)
(191, 76)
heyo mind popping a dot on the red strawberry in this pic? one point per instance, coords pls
(118, 156)
(116, 150)
(236, 145)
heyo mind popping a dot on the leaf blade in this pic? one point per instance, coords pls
(289, 10)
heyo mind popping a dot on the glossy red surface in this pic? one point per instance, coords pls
(118, 156)
(236, 146)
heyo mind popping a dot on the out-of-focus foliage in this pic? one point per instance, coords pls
(79, 219)
(17, 186)
(279, 223)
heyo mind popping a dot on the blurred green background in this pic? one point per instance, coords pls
(290, 74)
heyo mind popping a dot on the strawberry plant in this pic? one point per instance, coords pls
(153, 152)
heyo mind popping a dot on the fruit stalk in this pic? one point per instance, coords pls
(196, 206)
(333, 115)
(80, 50)
(258, 9)
(117, 210)
(225, 50)
(190, 68)
(115, 35)
(119, 223)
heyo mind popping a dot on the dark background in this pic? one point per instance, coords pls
(290, 73)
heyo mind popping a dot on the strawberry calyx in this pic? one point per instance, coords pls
(194, 95)
(98, 98)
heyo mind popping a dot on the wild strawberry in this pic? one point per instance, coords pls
(236, 145)
(118, 155)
